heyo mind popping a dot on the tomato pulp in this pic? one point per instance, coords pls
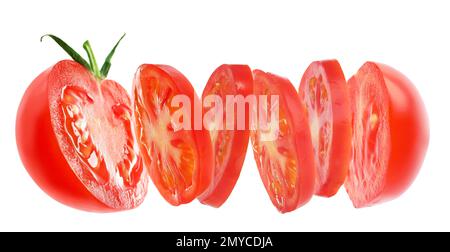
(178, 159)
(283, 151)
(324, 90)
(229, 144)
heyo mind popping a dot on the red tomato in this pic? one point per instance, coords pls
(74, 136)
(75, 139)
(283, 151)
(324, 90)
(390, 134)
(179, 160)
(229, 146)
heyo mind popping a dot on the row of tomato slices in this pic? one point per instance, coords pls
(89, 146)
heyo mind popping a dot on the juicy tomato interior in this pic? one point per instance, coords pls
(168, 150)
(91, 129)
(229, 133)
(316, 95)
(220, 137)
(371, 136)
(324, 90)
(275, 145)
(92, 121)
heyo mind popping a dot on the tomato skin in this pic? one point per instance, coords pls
(407, 118)
(408, 133)
(201, 140)
(340, 150)
(220, 190)
(41, 154)
(296, 113)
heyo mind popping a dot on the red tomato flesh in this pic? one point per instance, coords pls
(283, 154)
(229, 146)
(324, 90)
(179, 161)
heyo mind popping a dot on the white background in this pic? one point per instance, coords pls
(197, 36)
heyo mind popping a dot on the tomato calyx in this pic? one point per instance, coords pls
(100, 74)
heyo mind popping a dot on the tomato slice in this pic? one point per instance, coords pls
(179, 160)
(229, 145)
(81, 149)
(390, 134)
(324, 90)
(283, 150)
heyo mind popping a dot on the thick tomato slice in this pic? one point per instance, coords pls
(178, 159)
(75, 138)
(324, 90)
(390, 134)
(283, 150)
(231, 84)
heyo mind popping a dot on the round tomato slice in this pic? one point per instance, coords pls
(75, 138)
(390, 134)
(176, 153)
(231, 84)
(324, 90)
(282, 145)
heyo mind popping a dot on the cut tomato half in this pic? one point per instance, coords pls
(179, 159)
(324, 90)
(231, 84)
(75, 137)
(390, 134)
(282, 146)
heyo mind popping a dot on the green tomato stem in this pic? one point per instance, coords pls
(107, 64)
(92, 66)
(72, 53)
(92, 61)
